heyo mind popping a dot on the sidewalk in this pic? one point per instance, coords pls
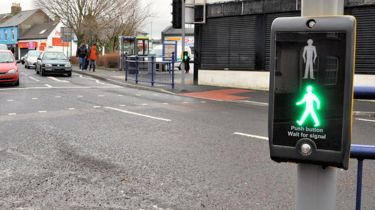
(117, 77)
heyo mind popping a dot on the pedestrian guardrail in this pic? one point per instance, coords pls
(364, 92)
(361, 153)
(145, 69)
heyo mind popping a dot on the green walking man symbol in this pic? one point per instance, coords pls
(309, 100)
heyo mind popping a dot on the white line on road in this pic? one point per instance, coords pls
(365, 120)
(119, 95)
(98, 82)
(251, 136)
(366, 100)
(72, 108)
(96, 107)
(34, 98)
(185, 102)
(12, 114)
(57, 96)
(58, 80)
(100, 95)
(138, 114)
(32, 78)
(48, 87)
(10, 100)
(144, 104)
(255, 103)
(138, 95)
(122, 105)
(42, 111)
(165, 103)
(79, 96)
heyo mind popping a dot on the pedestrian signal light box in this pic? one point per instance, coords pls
(311, 89)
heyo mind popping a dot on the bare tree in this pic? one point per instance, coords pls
(97, 20)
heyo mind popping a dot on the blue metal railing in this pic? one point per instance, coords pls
(361, 153)
(364, 92)
(142, 69)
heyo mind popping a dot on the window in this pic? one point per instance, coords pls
(6, 35)
(13, 35)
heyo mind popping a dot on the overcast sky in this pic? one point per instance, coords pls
(160, 9)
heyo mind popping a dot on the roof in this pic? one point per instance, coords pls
(176, 31)
(39, 31)
(4, 17)
(18, 18)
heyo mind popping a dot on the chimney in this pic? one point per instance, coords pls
(16, 8)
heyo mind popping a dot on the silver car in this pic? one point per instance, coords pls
(31, 58)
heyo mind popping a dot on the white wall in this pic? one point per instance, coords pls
(56, 33)
(257, 80)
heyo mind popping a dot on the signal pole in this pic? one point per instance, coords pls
(316, 186)
(183, 46)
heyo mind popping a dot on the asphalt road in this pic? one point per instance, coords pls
(79, 143)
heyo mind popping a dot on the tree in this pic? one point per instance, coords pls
(96, 20)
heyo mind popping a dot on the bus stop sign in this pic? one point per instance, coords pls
(311, 89)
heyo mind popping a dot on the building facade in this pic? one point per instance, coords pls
(232, 48)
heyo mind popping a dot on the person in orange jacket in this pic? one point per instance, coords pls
(93, 56)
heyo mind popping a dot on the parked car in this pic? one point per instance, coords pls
(53, 63)
(3, 47)
(31, 58)
(8, 68)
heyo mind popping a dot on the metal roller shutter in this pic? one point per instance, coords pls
(365, 57)
(229, 42)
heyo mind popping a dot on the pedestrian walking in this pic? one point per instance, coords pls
(82, 54)
(93, 56)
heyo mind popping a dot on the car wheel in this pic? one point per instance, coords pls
(17, 83)
(69, 74)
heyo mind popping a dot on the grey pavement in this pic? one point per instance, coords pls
(86, 143)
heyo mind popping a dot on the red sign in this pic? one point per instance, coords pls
(28, 45)
(58, 42)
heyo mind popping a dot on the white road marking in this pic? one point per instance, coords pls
(10, 100)
(255, 103)
(34, 98)
(72, 108)
(98, 82)
(58, 80)
(32, 78)
(165, 103)
(122, 105)
(51, 87)
(138, 95)
(365, 120)
(144, 104)
(366, 100)
(12, 114)
(185, 102)
(251, 136)
(96, 107)
(363, 113)
(79, 96)
(100, 95)
(42, 111)
(57, 96)
(120, 95)
(138, 114)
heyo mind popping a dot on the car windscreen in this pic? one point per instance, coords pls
(6, 57)
(3, 47)
(33, 53)
(54, 56)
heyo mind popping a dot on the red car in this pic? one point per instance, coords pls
(8, 68)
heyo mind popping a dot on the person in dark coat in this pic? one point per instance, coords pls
(82, 54)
